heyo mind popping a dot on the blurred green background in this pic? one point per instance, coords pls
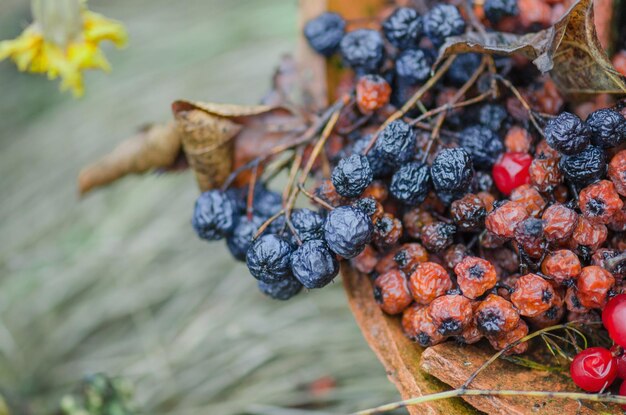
(118, 282)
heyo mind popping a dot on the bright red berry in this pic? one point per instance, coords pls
(621, 366)
(593, 369)
(614, 319)
(511, 171)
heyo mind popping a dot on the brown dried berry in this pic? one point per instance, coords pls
(414, 220)
(468, 213)
(618, 222)
(532, 295)
(418, 326)
(503, 220)
(599, 202)
(327, 192)
(589, 234)
(594, 284)
(387, 232)
(617, 172)
(548, 318)
(366, 260)
(517, 140)
(530, 237)
(487, 199)
(391, 292)
(387, 262)
(508, 338)
(377, 190)
(544, 151)
(470, 334)
(437, 236)
(559, 222)
(572, 302)
(602, 258)
(451, 314)
(545, 174)
(454, 255)
(475, 276)
(563, 266)
(528, 196)
(495, 315)
(409, 256)
(429, 281)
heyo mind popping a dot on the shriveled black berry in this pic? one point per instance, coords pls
(213, 215)
(352, 175)
(238, 197)
(403, 28)
(396, 143)
(567, 134)
(482, 182)
(367, 205)
(492, 116)
(437, 236)
(324, 33)
(468, 213)
(452, 171)
(347, 230)
(482, 144)
(269, 258)
(495, 10)
(363, 50)
(463, 68)
(380, 167)
(240, 240)
(266, 202)
(411, 183)
(442, 21)
(413, 66)
(584, 168)
(281, 290)
(608, 128)
(308, 224)
(313, 264)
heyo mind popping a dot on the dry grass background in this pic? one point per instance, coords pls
(117, 282)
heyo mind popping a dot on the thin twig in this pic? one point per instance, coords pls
(251, 188)
(522, 100)
(314, 198)
(268, 222)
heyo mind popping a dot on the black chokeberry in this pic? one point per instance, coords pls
(347, 230)
(492, 116)
(352, 175)
(411, 183)
(413, 66)
(324, 33)
(495, 10)
(584, 168)
(608, 128)
(269, 258)
(213, 215)
(313, 264)
(396, 143)
(442, 21)
(482, 144)
(308, 224)
(403, 28)
(363, 50)
(266, 202)
(463, 68)
(241, 238)
(567, 134)
(281, 290)
(452, 171)
(380, 167)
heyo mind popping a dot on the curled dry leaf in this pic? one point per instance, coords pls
(569, 50)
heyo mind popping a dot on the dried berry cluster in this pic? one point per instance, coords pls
(478, 212)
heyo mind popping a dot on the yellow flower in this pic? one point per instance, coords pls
(63, 41)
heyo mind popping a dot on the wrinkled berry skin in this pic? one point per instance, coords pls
(608, 128)
(452, 171)
(313, 264)
(266, 202)
(380, 167)
(396, 143)
(495, 10)
(482, 144)
(240, 240)
(567, 134)
(599, 202)
(475, 276)
(324, 33)
(442, 21)
(451, 314)
(308, 224)
(437, 236)
(495, 315)
(411, 183)
(352, 175)
(214, 215)
(281, 290)
(269, 258)
(584, 168)
(403, 28)
(391, 292)
(363, 50)
(492, 116)
(372, 93)
(413, 66)
(462, 68)
(347, 230)
(468, 213)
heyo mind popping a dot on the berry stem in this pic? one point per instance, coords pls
(314, 198)
(612, 263)
(522, 100)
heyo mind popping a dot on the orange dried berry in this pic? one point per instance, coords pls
(619, 62)
(594, 284)
(618, 223)
(451, 314)
(544, 151)
(454, 255)
(572, 301)
(599, 202)
(429, 281)
(470, 334)
(391, 292)
(468, 213)
(387, 261)
(414, 220)
(563, 266)
(532, 295)
(387, 232)
(617, 172)
(545, 174)
(559, 222)
(366, 261)
(487, 199)
(530, 237)
(418, 326)
(589, 234)
(530, 198)
(548, 99)
(409, 256)
(475, 276)
(508, 338)
(534, 12)
(495, 316)
(372, 93)
(517, 140)
(376, 190)
(549, 318)
(503, 220)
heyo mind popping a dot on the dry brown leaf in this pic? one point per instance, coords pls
(569, 50)
(156, 146)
